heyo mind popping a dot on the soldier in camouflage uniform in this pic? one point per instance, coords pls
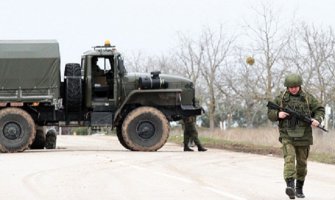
(190, 132)
(295, 135)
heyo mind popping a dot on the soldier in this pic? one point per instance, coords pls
(295, 135)
(191, 133)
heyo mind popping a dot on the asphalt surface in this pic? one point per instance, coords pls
(98, 167)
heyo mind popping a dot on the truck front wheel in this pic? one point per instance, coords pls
(120, 138)
(17, 130)
(145, 129)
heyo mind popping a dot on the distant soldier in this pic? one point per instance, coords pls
(295, 135)
(191, 133)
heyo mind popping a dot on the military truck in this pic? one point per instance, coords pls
(96, 92)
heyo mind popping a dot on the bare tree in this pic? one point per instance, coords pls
(138, 62)
(216, 48)
(239, 87)
(312, 54)
(200, 60)
(270, 38)
(189, 57)
(251, 85)
(135, 61)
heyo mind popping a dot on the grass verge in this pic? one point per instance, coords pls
(256, 142)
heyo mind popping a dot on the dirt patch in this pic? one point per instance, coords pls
(267, 150)
(247, 148)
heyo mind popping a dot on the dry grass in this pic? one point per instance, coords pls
(261, 141)
(265, 137)
(324, 142)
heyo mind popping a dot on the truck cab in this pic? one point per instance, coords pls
(102, 70)
(100, 77)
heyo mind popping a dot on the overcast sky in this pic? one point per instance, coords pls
(147, 25)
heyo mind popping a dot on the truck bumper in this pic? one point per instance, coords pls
(190, 110)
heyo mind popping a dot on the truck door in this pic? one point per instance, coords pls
(103, 93)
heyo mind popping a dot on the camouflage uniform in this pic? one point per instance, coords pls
(191, 133)
(295, 135)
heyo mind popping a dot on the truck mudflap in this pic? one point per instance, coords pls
(190, 110)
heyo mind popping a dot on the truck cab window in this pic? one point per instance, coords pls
(103, 63)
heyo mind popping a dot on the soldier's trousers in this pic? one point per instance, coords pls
(295, 158)
(191, 135)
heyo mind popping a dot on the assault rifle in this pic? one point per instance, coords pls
(294, 114)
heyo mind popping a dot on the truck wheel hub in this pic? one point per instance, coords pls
(145, 130)
(12, 131)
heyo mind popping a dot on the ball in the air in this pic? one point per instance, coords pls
(250, 60)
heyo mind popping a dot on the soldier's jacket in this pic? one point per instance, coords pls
(299, 132)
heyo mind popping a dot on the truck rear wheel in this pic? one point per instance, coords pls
(145, 129)
(17, 130)
(51, 139)
(39, 141)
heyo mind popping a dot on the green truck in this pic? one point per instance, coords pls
(96, 92)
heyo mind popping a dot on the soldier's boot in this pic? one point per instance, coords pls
(298, 189)
(290, 188)
(187, 148)
(201, 148)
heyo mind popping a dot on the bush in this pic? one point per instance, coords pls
(79, 131)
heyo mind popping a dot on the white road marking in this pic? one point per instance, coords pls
(219, 192)
(229, 195)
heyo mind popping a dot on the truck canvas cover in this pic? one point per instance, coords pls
(29, 70)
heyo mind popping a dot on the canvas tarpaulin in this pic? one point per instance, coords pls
(29, 69)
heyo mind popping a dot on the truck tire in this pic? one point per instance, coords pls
(72, 69)
(120, 138)
(39, 141)
(73, 87)
(73, 94)
(145, 129)
(17, 130)
(51, 139)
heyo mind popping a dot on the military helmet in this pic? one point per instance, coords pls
(293, 80)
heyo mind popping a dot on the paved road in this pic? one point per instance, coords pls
(97, 167)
